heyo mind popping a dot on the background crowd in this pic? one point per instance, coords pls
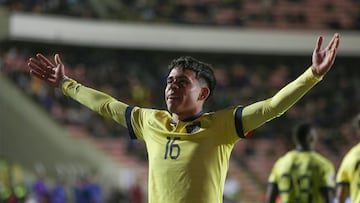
(280, 14)
(135, 76)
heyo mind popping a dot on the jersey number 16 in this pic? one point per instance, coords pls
(172, 149)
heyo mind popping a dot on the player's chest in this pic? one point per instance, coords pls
(184, 145)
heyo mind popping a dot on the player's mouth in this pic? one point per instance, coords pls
(173, 97)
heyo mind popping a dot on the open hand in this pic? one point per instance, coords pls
(323, 59)
(42, 68)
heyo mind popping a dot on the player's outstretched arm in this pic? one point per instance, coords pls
(257, 114)
(42, 68)
(323, 59)
(53, 73)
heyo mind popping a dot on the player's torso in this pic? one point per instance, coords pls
(354, 173)
(299, 178)
(188, 160)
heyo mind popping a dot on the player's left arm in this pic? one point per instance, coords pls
(328, 183)
(343, 178)
(272, 192)
(327, 194)
(258, 113)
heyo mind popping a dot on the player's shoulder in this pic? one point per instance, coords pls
(228, 110)
(288, 156)
(152, 113)
(321, 160)
(353, 153)
(284, 161)
(356, 148)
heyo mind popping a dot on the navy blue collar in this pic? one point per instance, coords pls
(304, 149)
(193, 117)
(190, 118)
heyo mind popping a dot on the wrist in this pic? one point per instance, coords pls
(63, 80)
(315, 73)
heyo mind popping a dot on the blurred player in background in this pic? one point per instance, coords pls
(188, 149)
(348, 175)
(302, 175)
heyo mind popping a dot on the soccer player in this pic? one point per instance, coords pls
(302, 175)
(188, 149)
(348, 175)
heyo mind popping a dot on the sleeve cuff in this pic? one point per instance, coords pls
(309, 77)
(65, 78)
(316, 77)
(65, 83)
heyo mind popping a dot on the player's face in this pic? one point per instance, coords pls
(183, 93)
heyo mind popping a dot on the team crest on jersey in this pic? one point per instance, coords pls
(193, 128)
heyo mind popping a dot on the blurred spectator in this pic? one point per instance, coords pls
(293, 14)
(136, 193)
(94, 190)
(87, 189)
(5, 187)
(40, 190)
(58, 192)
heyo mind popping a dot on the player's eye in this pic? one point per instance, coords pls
(169, 80)
(182, 81)
(177, 81)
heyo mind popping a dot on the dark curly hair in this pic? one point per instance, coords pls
(202, 70)
(301, 133)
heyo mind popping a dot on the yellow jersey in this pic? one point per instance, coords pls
(188, 160)
(349, 172)
(301, 175)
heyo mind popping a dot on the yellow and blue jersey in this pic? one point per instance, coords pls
(300, 176)
(349, 172)
(191, 155)
(188, 160)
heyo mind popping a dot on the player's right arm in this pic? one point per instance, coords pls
(342, 192)
(343, 178)
(54, 75)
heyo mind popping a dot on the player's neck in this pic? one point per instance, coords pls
(186, 118)
(304, 148)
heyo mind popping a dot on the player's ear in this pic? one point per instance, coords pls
(204, 93)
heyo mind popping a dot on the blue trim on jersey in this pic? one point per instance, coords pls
(238, 122)
(128, 122)
(343, 184)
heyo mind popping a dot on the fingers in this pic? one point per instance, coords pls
(334, 43)
(332, 56)
(333, 46)
(318, 44)
(42, 76)
(40, 67)
(45, 70)
(57, 59)
(44, 60)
